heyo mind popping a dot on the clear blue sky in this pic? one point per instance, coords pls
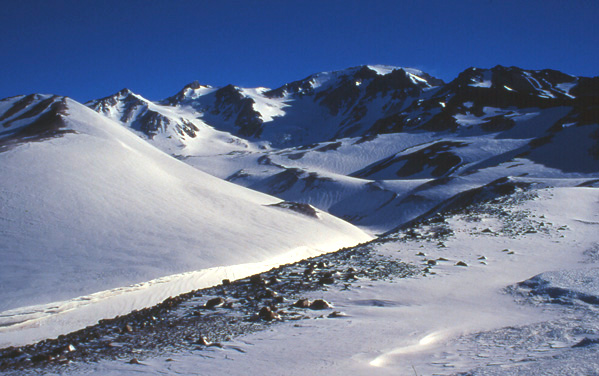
(91, 48)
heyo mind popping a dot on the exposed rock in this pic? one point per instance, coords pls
(203, 341)
(461, 263)
(273, 280)
(41, 358)
(586, 342)
(257, 280)
(215, 302)
(302, 303)
(267, 314)
(268, 294)
(305, 209)
(320, 304)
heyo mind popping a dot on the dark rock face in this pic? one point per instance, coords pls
(299, 88)
(499, 87)
(437, 156)
(230, 103)
(343, 95)
(137, 113)
(297, 207)
(399, 83)
(45, 116)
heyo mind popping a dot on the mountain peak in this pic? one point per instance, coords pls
(195, 85)
(124, 92)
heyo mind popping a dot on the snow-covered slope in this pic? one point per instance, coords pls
(380, 145)
(508, 287)
(87, 206)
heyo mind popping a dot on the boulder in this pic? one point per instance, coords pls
(320, 304)
(215, 302)
(302, 303)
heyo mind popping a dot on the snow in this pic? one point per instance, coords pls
(267, 107)
(455, 320)
(383, 69)
(89, 218)
(485, 80)
(565, 87)
(535, 84)
(201, 91)
(376, 211)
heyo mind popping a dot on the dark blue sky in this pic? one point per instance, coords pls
(91, 48)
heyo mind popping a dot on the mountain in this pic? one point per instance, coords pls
(170, 128)
(96, 222)
(380, 145)
(322, 107)
(118, 204)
